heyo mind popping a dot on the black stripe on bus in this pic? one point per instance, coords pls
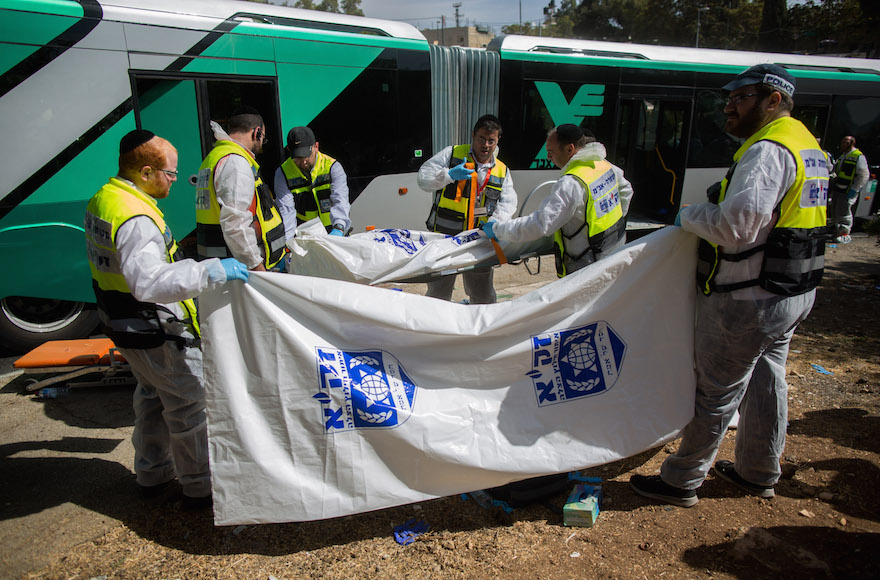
(92, 15)
(42, 175)
(201, 45)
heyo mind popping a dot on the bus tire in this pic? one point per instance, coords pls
(26, 323)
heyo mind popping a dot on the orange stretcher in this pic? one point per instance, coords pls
(76, 358)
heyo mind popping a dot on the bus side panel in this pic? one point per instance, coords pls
(169, 110)
(68, 117)
(42, 239)
(379, 128)
(24, 33)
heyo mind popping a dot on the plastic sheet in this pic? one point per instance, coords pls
(327, 398)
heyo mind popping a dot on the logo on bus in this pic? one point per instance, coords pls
(588, 101)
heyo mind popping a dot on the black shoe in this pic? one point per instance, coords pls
(194, 504)
(653, 487)
(161, 493)
(725, 470)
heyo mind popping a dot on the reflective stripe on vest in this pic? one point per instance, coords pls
(845, 168)
(794, 254)
(449, 216)
(267, 221)
(130, 323)
(310, 196)
(604, 225)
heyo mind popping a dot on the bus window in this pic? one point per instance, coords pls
(813, 117)
(225, 95)
(710, 145)
(652, 143)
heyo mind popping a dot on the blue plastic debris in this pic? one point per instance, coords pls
(407, 532)
(576, 476)
(486, 501)
(822, 370)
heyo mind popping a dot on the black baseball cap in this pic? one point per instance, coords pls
(300, 141)
(769, 74)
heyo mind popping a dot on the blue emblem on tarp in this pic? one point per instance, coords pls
(465, 238)
(400, 238)
(573, 363)
(362, 389)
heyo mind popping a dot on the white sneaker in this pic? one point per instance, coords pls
(845, 239)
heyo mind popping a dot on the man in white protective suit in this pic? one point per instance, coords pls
(586, 210)
(144, 289)
(761, 254)
(459, 200)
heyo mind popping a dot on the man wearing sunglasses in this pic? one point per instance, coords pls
(144, 290)
(761, 253)
(235, 211)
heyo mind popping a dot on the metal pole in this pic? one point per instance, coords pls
(698, 27)
(520, 17)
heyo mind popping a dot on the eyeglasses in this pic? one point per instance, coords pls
(169, 173)
(260, 136)
(482, 141)
(735, 100)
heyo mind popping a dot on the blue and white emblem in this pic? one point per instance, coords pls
(402, 239)
(573, 363)
(464, 238)
(362, 389)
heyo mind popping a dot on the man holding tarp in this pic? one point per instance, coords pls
(760, 259)
(144, 290)
(586, 211)
(462, 203)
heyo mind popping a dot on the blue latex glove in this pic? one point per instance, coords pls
(335, 232)
(407, 532)
(460, 172)
(852, 194)
(234, 269)
(489, 228)
(677, 219)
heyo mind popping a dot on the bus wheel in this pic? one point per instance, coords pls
(26, 323)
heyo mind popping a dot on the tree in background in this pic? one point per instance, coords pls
(836, 26)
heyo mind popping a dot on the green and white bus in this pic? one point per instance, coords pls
(79, 74)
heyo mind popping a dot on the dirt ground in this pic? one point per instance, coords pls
(70, 510)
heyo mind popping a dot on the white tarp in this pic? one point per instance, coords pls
(327, 398)
(389, 255)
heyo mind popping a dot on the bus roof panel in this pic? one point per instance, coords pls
(620, 54)
(163, 11)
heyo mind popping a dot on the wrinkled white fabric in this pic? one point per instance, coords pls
(327, 398)
(234, 183)
(744, 219)
(338, 196)
(393, 255)
(434, 175)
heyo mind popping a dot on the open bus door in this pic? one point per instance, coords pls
(651, 148)
(180, 110)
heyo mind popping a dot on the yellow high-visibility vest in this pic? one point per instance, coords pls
(311, 196)
(450, 216)
(604, 225)
(794, 254)
(267, 220)
(129, 322)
